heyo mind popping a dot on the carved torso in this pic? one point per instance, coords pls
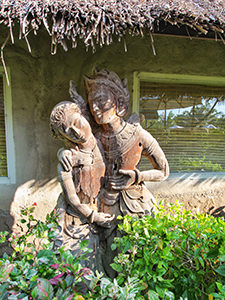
(88, 173)
(122, 150)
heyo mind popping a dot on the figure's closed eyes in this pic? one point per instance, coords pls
(75, 128)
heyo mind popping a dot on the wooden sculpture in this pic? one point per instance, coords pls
(122, 190)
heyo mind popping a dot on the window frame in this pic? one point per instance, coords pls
(174, 79)
(10, 151)
(171, 78)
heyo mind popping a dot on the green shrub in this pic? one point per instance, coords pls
(33, 272)
(176, 255)
(40, 272)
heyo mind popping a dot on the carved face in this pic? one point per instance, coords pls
(102, 105)
(75, 128)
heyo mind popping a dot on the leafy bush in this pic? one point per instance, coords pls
(176, 255)
(37, 271)
(33, 272)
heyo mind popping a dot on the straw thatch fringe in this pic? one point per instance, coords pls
(97, 22)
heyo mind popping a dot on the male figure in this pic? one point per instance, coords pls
(124, 143)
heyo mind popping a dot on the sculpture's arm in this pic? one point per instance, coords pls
(65, 158)
(156, 156)
(68, 187)
(70, 158)
(154, 153)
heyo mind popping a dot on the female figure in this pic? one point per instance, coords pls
(124, 143)
(81, 183)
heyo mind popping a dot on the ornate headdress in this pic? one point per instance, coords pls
(111, 81)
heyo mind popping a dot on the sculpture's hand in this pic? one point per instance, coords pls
(65, 158)
(123, 182)
(103, 219)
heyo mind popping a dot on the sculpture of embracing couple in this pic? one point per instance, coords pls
(98, 166)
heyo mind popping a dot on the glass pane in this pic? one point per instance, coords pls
(189, 123)
(3, 157)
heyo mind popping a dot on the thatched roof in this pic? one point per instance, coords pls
(102, 21)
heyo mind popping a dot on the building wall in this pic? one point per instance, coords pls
(39, 80)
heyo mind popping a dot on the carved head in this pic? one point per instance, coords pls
(107, 95)
(68, 124)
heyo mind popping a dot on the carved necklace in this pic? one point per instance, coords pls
(121, 142)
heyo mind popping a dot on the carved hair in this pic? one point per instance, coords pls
(58, 115)
(111, 81)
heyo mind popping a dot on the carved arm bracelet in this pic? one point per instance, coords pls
(138, 176)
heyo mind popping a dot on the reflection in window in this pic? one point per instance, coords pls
(189, 123)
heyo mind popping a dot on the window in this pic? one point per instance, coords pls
(186, 114)
(7, 157)
(3, 155)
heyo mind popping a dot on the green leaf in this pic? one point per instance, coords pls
(68, 257)
(31, 217)
(3, 291)
(152, 295)
(221, 270)
(31, 273)
(69, 280)
(43, 260)
(5, 271)
(23, 284)
(170, 295)
(34, 292)
(126, 246)
(83, 244)
(117, 267)
(43, 290)
(213, 253)
(222, 257)
(113, 246)
(185, 295)
(160, 290)
(219, 286)
(197, 252)
(23, 221)
(23, 296)
(45, 256)
(3, 235)
(218, 296)
(31, 210)
(197, 264)
(201, 261)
